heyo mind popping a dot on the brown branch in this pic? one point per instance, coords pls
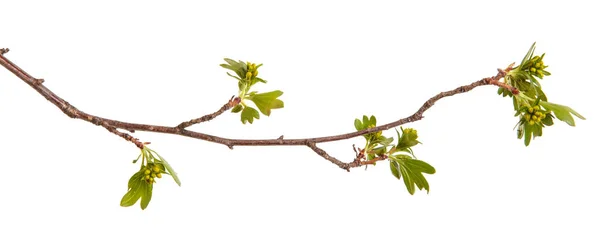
(113, 125)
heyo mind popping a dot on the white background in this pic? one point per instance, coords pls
(62, 179)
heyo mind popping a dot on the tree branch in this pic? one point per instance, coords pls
(113, 125)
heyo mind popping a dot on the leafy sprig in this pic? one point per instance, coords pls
(247, 76)
(531, 103)
(140, 185)
(402, 165)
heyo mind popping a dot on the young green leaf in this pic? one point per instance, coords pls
(366, 122)
(267, 101)
(528, 55)
(237, 109)
(249, 114)
(395, 168)
(358, 125)
(146, 194)
(528, 131)
(411, 171)
(562, 112)
(134, 189)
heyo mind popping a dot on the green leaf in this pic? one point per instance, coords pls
(528, 131)
(366, 122)
(411, 171)
(237, 108)
(408, 182)
(395, 168)
(267, 101)
(171, 172)
(358, 125)
(235, 77)
(562, 112)
(238, 67)
(146, 192)
(536, 130)
(249, 114)
(260, 80)
(384, 141)
(134, 189)
(136, 176)
(528, 55)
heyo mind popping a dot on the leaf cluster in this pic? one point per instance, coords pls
(531, 104)
(140, 185)
(403, 163)
(247, 75)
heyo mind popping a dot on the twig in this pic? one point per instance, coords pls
(232, 102)
(322, 153)
(113, 125)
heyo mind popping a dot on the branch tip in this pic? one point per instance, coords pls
(4, 50)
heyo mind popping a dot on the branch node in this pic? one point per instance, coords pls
(38, 81)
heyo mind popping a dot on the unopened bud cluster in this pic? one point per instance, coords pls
(534, 115)
(252, 71)
(151, 172)
(536, 66)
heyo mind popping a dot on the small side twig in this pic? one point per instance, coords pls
(232, 102)
(322, 153)
(501, 74)
(4, 50)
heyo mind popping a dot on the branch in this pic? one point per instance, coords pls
(113, 125)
